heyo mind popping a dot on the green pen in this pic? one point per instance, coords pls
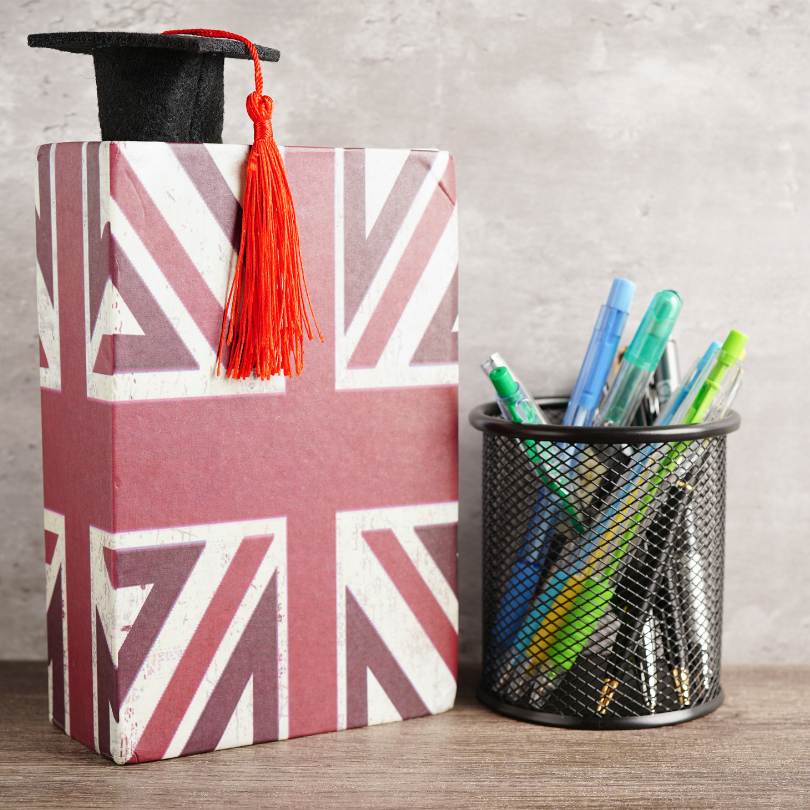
(518, 406)
(640, 360)
(731, 354)
(593, 596)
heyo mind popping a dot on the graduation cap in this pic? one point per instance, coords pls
(169, 87)
(156, 87)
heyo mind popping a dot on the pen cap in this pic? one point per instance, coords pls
(505, 384)
(514, 401)
(491, 363)
(731, 354)
(733, 348)
(621, 294)
(651, 337)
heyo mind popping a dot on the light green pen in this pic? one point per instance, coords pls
(641, 359)
(731, 354)
(589, 604)
(518, 406)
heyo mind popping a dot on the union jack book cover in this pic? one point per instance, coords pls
(231, 562)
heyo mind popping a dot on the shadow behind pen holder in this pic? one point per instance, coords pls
(611, 618)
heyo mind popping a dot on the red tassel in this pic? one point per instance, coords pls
(268, 308)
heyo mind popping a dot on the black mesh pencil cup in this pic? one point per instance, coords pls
(602, 570)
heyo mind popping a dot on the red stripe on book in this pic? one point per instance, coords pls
(254, 659)
(440, 343)
(364, 253)
(365, 651)
(212, 187)
(64, 482)
(174, 702)
(162, 243)
(403, 282)
(420, 599)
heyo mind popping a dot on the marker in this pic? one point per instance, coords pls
(641, 359)
(604, 342)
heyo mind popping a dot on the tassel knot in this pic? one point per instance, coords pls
(267, 312)
(260, 109)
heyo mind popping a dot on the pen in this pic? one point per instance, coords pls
(662, 386)
(691, 383)
(698, 617)
(579, 607)
(514, 401)
(659, 607)
(728, 359)
(647, 565)
(640, 359)
(669, 613)
(518, 406)
(649, 662)
(648, 411)
(667, 374)
(581, 409)
(593, 373)
(687, 580)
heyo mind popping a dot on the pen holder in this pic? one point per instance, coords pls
(602, 570)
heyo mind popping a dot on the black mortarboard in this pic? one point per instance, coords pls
(156, 87)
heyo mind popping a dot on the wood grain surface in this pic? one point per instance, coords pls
(753, 752)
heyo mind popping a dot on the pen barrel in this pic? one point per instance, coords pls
(603, 567)
(642, 577)
(625, 395)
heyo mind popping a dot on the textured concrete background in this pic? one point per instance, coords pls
(668, 141)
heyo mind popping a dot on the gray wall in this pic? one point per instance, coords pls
(668, 141)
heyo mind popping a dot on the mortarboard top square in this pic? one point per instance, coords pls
(156, 87)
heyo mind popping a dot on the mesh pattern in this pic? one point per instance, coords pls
(603, 575)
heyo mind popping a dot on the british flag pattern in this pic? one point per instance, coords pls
(231, 562)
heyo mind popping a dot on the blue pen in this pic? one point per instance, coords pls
(599, 357)
(698, 370)
(548, 513)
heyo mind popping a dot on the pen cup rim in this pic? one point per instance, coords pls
(486, 418)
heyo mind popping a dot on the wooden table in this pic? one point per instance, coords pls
(753, 752)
